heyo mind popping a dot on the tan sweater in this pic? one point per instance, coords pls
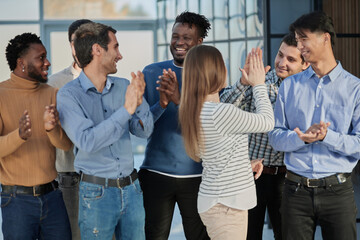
(30, 162)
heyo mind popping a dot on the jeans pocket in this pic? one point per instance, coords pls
(342, 188)
(137, 187)
(291, 187)
(5, 200)
(89, 191)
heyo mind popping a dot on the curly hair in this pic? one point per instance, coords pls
(200, 21)
(18, 47)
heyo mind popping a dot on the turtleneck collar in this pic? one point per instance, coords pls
(23, 83)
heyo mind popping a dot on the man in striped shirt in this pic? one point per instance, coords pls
(288, 61)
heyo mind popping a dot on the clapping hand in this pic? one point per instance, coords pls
(25, 126)
(169, 88)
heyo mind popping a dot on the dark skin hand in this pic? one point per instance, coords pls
(25, 126)
(169, 88)
(51, 117)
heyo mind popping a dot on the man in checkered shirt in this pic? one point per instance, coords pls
(269, 186)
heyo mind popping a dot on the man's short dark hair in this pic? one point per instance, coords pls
(75, 25)
(315, 22)
(200, 21)
(290, 40)
(86, 36)
(19, 46)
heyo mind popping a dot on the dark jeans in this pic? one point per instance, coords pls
(269, 189)
(26, 217)
(160, 195)
(69, 185)
(332, 207)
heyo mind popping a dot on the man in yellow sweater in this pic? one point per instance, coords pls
(31, 204)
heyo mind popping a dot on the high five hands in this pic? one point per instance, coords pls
(316, 132)
(168, 88)
(246, 69)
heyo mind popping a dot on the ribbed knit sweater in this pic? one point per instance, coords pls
(227, 170)
(30, 162)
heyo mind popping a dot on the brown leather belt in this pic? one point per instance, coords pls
(33, 190)
(118, 182)
(318, 182)
(274, 170)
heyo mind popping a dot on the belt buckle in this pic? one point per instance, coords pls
(276, 170)
(341, 178)
(118, 182)
(308, 181)
(34, 192)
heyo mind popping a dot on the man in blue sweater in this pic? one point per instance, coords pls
(168, 175)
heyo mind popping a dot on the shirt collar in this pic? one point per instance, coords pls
(273, 78)
(176, 65)
(333, 75)
(87, 85)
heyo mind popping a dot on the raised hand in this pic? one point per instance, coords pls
(25, 126)
(257, 167)
(245, 69)
(51, 117)
(315, 132)
(169, 88)
(256, 69)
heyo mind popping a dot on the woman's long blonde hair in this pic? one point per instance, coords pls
(204, 73)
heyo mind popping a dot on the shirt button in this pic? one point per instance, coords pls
(105, 110)
(118, 158)
(317, 105)
(319, 87)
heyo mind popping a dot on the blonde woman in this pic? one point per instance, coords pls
(216, 134)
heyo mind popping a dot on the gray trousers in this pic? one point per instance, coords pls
(69, 185)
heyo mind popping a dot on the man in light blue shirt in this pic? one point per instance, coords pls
(98, 113)
(317, 125)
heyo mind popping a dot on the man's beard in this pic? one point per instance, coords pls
(178, 60)
(34, 75)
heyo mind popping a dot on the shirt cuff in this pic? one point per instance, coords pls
(330, 138)
(142, 110)
(121, 116)
(157, 111)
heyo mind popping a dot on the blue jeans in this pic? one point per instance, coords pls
(105, 210)
(28, 217)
